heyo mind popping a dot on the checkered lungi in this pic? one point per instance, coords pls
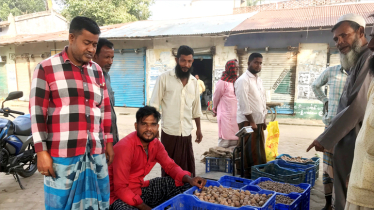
(159, 190)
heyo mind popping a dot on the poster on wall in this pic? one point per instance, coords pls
(306, 80)
(155, 71)
(303, 92)
(153, 74)
(218, 74)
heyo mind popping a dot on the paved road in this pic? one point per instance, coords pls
(293, 140)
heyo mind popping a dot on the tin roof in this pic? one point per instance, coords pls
(309, 17)
(45, 37)
(187, 26)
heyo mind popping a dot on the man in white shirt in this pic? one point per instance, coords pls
(177, 93)
(250, 94)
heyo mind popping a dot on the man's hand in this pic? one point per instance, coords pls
(317, 146)
(265, 126)
(214, 112)
(326, 106)
(196, 181)
(199, 136)
(144, 206)
(254, 126)
(109, 153)
(45, 164)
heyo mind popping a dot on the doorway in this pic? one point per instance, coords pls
(203, 66)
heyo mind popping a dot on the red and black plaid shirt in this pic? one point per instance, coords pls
(69, 105)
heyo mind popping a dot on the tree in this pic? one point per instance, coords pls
(251, 3)
(107, 12)
(20, 7)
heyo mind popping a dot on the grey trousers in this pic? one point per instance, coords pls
(343, 159)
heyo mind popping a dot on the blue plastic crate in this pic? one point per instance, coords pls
(316, 161)
(295, 205)
(277, 173)
(218, 164)
(305, 196)
(232, 181)
(309, 170)
(188, 202)
(269, 205)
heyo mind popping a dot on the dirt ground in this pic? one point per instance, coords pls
(294, 139)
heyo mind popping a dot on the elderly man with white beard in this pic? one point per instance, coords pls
(349, 36)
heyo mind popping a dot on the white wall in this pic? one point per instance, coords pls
(41, 22)
(10, 67)
(4, 31)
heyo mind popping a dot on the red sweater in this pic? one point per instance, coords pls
(130, 166)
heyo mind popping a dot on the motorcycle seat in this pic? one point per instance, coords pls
(22, 125)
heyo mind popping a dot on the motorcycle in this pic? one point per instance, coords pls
(17, 153)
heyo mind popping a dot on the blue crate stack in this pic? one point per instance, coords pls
(189, 201)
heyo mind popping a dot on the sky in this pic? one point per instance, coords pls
(176, 9)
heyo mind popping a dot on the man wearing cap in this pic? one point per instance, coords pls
(349, 37)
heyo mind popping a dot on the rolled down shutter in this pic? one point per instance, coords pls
(278, 76)
(128, 78)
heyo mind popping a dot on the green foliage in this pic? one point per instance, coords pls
(107, 12)
(20, 7)
(252, 2)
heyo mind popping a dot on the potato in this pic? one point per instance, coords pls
(237, 204)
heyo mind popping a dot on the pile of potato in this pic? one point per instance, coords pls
(231, 197)
(296, 159)
(283, 199)
(280, 187)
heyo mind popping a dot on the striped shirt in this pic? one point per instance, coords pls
(335, 78)
(69, 104)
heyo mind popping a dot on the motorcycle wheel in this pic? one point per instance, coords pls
(30, 166)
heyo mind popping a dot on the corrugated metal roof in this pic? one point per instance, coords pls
(304, 17)
(188, 26)
(46, 37)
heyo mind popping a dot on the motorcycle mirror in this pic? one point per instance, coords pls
(12, 95)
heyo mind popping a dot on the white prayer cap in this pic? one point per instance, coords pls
(354, 18)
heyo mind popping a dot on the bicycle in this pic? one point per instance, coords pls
(210, 115)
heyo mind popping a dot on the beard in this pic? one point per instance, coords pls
(349, 60)
(145, 139)
(253, 71)
(181, 74)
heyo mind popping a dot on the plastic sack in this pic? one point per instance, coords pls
(272, 141)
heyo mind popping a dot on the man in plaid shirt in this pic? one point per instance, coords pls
(335, 78)
(71, 123)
